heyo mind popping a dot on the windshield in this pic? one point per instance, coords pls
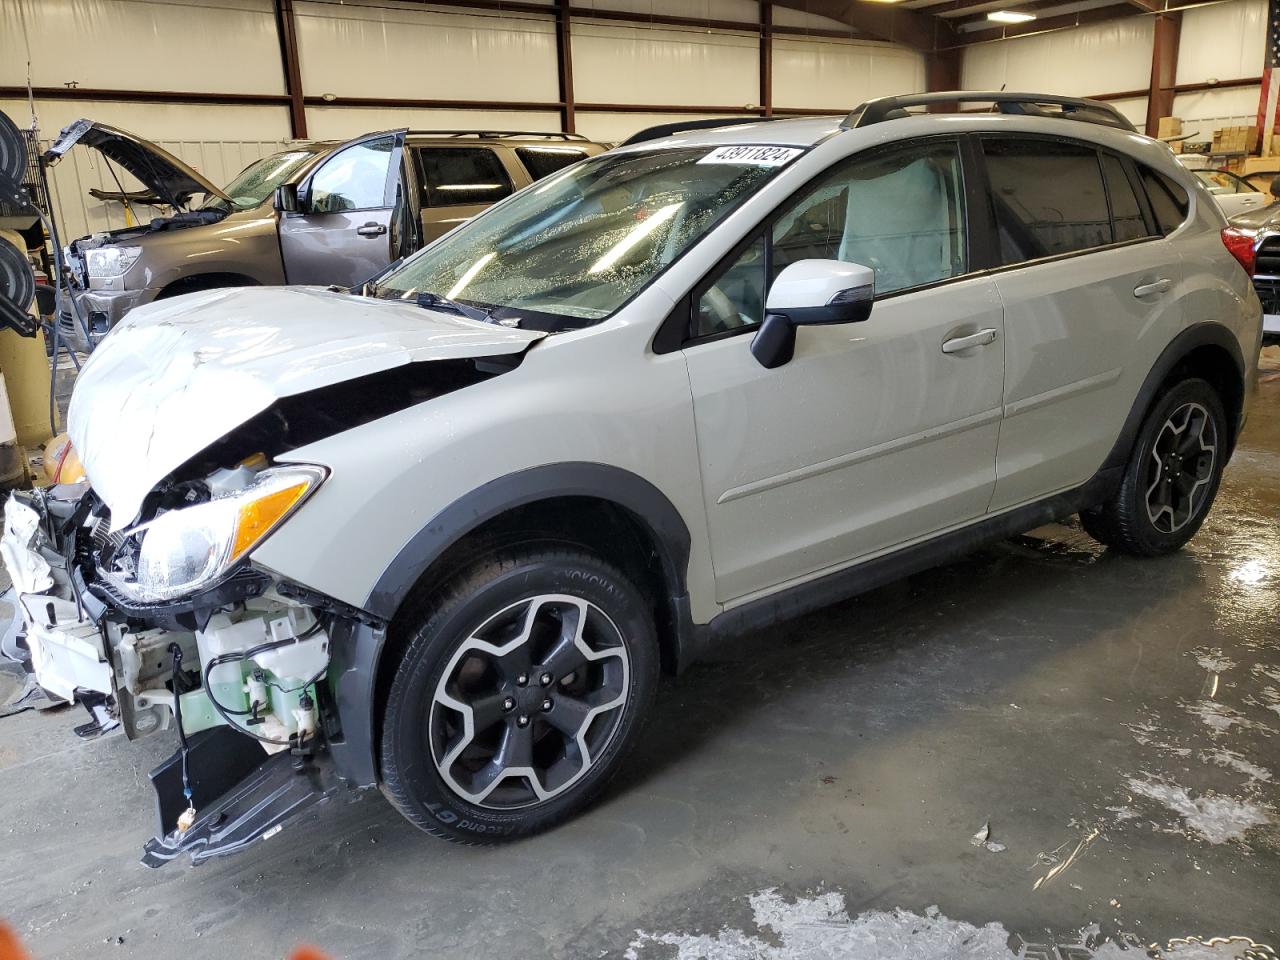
(569, 251)
(259, 180)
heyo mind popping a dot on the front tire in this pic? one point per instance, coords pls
(1171, 478)
(522, 689)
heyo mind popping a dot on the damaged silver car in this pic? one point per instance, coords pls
(442, 536)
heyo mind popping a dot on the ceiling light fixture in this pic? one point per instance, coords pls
(1010, 16)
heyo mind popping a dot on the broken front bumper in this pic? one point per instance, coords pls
(100, 311)
(244, 777)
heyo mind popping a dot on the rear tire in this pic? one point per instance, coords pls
(1172, 475)
(522, 689)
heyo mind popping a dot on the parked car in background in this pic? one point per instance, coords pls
(1233, 193)
(443, 535)
(1261, 228)
(317, 213)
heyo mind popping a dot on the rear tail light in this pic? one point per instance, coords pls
(1239, 244)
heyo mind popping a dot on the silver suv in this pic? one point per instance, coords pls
(324, 213)
(443, 537)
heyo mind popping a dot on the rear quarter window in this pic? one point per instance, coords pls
(461, 175)
(544, 161)
(1169, 199)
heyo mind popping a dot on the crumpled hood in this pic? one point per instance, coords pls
(179, 374)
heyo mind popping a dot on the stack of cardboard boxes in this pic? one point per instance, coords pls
(1233, 148)
(1234, 142)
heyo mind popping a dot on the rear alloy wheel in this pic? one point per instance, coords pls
(1172, 477)
(521, 689)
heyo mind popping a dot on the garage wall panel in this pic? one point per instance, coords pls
(1204, 112)
(392, 50)
(1222, 42)
(746, 11)
(142, 44)
(839, 74)
(613, 63)
(616, 127)
(342, 123)
(1101, 58)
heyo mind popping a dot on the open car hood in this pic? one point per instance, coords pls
(180, 374)
(169, 178)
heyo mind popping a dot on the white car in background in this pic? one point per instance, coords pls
(1235, 195)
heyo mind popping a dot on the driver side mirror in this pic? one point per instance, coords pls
(811, 292)
(287, 198)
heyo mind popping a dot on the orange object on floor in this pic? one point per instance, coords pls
(10, 948)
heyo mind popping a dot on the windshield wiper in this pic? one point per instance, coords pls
(434, 301)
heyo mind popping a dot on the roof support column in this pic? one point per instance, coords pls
(1164, 69)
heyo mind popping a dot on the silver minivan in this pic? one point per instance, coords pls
(330, 213)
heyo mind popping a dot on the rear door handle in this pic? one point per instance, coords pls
(979, 339)
(1147, 289)
(371, 229)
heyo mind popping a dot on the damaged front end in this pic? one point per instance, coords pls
(163, 624)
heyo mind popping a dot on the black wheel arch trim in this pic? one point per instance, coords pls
(1208, 333)
(359, 649)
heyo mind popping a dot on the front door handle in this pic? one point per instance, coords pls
(1147, 289)
(979, 339)
(372, 229)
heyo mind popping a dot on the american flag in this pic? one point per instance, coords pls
(1269, 100)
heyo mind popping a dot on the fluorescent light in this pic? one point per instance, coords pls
(1010, 16)
(634, 236)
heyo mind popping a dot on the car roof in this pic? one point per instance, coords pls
(809, 131)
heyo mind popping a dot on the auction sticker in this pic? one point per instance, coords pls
(752, 156)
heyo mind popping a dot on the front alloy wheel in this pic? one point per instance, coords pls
(521, 688)
(529, 701)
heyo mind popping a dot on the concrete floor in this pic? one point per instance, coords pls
(811, 793)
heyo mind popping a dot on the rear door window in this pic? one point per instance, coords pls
(461, 175)
(1048, 198)
(544, 161)
(1127, 221)
(1169, 201)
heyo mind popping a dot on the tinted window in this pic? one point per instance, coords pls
(1048, 198)
(353, 179)
(1169, 201)
(544, 161)
(1126, 216)
(453, 175)
(900, 214)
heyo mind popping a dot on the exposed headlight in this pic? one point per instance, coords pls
(110, 261)
(191, 548)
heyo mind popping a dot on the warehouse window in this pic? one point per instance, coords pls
(544, 161)
(1169, 201)
(457, 175)
(1048, 198)
(1127, 222)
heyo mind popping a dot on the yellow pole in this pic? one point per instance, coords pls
(25, 366)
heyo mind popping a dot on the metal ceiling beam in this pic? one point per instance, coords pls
(880, 21)
(564, 65)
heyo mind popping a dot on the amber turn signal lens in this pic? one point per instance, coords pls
(256, 518)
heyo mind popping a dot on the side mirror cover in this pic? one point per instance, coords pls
(811, 292)
(287, 200)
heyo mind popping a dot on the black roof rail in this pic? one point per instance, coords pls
(683, 126)
(1020, 104)
(551, 135)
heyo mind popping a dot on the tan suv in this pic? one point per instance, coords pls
(316, 213)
